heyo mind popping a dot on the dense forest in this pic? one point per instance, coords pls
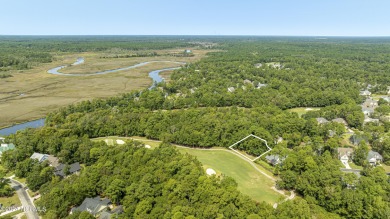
(246, 88)
(25, 52)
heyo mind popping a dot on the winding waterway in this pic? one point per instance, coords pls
(154, 75)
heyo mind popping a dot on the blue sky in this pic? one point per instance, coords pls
(196, 17)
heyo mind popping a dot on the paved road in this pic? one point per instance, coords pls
(25, 199)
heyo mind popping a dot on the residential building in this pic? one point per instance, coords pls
(40, 157)
(374, 158)
(94, 206)
(73, 169)
(345, 154)
(273, 159)
(321, 120)
(365, 93)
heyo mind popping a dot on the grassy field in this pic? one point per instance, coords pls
(249, 180)
(31, 94)
(10, 201)
(302, 110)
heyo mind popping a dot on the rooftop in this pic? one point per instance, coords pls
(73, 168)
(93, 205)
(322, 120)
(40, 157)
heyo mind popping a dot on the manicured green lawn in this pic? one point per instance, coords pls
(10, 201)
(250, 181)
(387, 168)
(302, 110)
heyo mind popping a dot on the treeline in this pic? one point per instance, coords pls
(201, 127)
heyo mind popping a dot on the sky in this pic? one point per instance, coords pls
(196, 17)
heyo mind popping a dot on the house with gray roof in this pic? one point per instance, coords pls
(40, 157)
(111, 214)
(273, 159)
(365, 93)
(60, 170)
(321, 120)
(374, 158)
(94, 206)
(367, 111)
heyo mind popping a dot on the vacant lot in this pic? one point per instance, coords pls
(31, 94)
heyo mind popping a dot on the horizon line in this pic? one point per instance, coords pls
(200, 35)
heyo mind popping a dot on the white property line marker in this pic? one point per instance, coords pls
(251, 135)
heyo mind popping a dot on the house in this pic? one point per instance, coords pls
(94, 206)
(365, 93)
(231, 89)
(246, 81)
(279, 140)
(321, 120)
(367, 111)
(374, 158)
(340, 120)
(73, 169)
(344, 154)
(356, 139)
(258, 65)
(273, 159)
(40, 157)
(111, 214)
(370, 103)
(260, 85)
(187, 51)
(6, 147)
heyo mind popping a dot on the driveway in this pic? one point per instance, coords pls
(27, 205)
(346, 164)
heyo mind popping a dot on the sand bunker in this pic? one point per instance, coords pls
(210, 172)
(120, 141)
